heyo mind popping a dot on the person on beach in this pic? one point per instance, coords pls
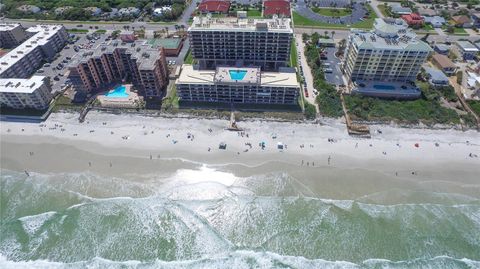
(329, 159)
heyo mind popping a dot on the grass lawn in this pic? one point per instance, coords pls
(78, 31)
(293, 54)
(428, 27)
(188, 58)
(332, 12)
(254, 13)
(299, 21)
(459, 31)
(475, 105)
(101, 31)
(384, 10)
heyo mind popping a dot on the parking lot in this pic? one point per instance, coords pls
(57, 69)
(359, 12)
(331, 64)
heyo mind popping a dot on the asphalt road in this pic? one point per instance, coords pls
(335, 77)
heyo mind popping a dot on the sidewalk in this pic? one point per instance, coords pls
(306, 70)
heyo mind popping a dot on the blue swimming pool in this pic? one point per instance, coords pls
(119, 91)
(384, 87)
(237, 74)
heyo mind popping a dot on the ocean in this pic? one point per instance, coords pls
(237, 217)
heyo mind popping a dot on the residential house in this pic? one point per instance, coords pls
(427, 12)
(436, 77)
(129, 11)
(442, 49)
(435, 21)
(94, 11)
(444, 63)
(413, 19)
(159, 11)
(127, 36)
(462, 21)
(467, 50)
(476, 19)
(214, 6)
(398, 9)
(29, 9)
(276, 7)
(62, 10)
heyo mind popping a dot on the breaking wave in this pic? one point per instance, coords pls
(210, 219)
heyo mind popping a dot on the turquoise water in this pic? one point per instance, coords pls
(384, 87)
(237, 74)
(118, 92)
(202, 218)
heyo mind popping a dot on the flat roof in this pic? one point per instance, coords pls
(8, 26)
(167, 43)
(192, 75)
(246, 25)
(467, 46)
(21, 85)
(41, 34)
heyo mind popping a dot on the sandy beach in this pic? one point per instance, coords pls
(63, 144)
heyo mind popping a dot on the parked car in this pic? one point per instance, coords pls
(56, 78)
(328, 70)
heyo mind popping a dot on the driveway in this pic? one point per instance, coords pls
(306, 70)
(374, 4)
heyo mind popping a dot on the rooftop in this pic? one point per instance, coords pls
(436, 75)
(139, 50)
(8, 26)
(389, 34)
(443, 61)
(214, 6)
(19, 85)
(279, 7)
(167, 43)
(41, 34)
(191, 75)
(235, 24)
(467, 46)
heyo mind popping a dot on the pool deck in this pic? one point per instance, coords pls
(126, 102)
(396, 90)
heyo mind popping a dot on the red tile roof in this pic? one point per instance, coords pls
(413, 19)
(214, 6)
(279, 7)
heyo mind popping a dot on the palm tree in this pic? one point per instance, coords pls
(166, 29)
(333, 33)
(326, 33)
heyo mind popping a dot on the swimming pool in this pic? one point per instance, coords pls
(237, 74)
(118, 92)
(384, 87)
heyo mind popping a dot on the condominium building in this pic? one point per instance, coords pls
(11, 35)
(241, 42)
(25, 93)
(105, 65)
(233, 85)
(390, 54)
(44, 42)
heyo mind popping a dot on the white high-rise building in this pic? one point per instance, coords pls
(389, 54)
(241, 42)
